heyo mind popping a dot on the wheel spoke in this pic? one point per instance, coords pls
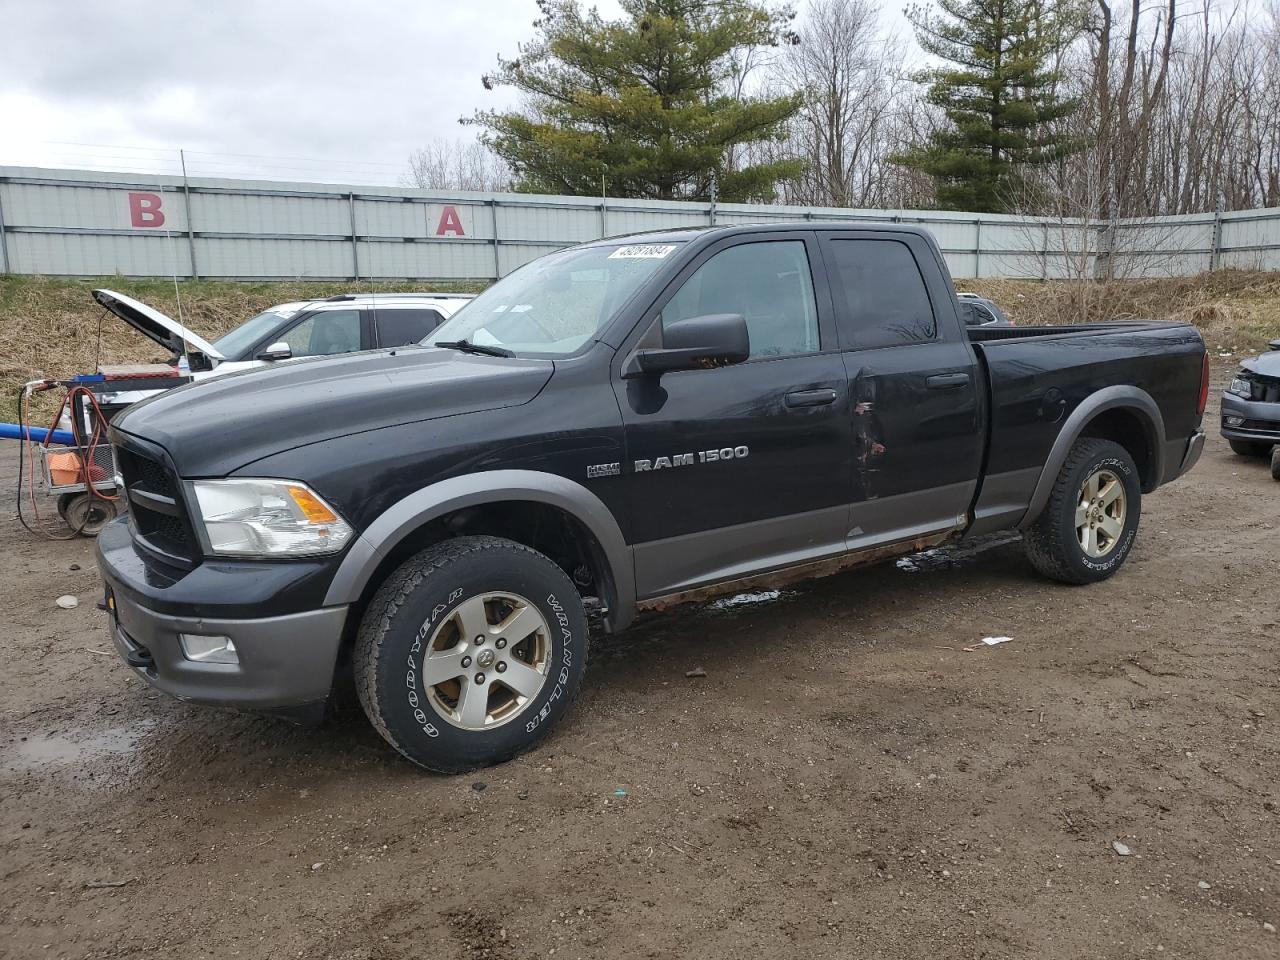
(442, 665)
(472, 619)
(1112, 527)
(522, 622)
(1087, 540)
(521, 678)
(1082, 514)
(473, 703)
(1111, 492)
(1090, 488)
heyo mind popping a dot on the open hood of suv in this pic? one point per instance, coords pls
(154, 325)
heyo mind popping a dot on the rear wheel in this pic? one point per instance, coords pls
(1275, 462)
(470, 653)
(1086, 530)
(1249, 448)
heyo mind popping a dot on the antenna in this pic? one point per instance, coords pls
(177, 294)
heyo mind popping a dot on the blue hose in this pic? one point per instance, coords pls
(14, 431)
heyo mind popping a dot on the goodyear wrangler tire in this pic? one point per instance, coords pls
(470, 652)
(1087, 528)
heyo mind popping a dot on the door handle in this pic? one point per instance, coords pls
(945, 381)
(810, 398)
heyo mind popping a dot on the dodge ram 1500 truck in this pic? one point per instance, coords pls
(627, 423)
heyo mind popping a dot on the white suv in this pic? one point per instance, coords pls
(309, 328)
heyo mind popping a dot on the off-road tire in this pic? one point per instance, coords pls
(1051, 542)
(421, 594)
(1275, 462)
(1248, 448)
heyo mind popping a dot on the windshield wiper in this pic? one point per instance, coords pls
(466, 346)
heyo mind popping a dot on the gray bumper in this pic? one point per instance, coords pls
(1261, 421)
(286, 663)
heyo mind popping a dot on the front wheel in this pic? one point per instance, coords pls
(1275, 462)
(470, 653)
(1087, 528)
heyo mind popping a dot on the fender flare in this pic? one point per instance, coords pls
(1108, 398)
(489, 486)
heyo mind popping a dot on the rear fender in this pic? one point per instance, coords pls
(1129, 398)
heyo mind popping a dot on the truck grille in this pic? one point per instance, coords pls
(160, 522)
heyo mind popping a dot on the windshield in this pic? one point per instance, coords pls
(554, 305)
(248, 333)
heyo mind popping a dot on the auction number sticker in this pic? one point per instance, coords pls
(643, 251)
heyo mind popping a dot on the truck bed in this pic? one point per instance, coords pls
(1037, 376)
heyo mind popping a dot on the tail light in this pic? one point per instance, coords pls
(1204, 386)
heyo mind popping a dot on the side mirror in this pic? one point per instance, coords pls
(277, 351)
(1274, 345)
(696, 343)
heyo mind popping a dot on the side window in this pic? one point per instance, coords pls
(397, 328)
(884, 292)
(324, 333)
(768, 283)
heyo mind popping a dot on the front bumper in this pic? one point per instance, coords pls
(286, 663)
(1258, 422)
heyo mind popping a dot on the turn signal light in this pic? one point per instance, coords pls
(310, 505)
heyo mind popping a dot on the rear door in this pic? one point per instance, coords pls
(915, 384)
(744, 468)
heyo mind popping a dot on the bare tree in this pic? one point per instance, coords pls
(846, 67)
(456, 165)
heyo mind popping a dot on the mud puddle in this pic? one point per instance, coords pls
(44, 753)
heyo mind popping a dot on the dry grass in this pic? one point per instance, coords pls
(49, 326)
(1237, 311)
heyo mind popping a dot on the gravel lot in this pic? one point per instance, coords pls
(847, 780)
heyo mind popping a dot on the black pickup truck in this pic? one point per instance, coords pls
(624, 424)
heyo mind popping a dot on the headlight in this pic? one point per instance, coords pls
(268, 518)
(1241, 388)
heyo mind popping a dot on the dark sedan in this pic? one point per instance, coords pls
(1251, 408)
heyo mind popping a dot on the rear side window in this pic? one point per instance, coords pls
(886, 302)
(398, 328)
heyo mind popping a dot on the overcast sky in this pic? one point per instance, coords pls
(277, 89)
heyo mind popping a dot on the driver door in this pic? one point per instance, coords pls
(740, 469)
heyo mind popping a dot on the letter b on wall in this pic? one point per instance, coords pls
(144, 210)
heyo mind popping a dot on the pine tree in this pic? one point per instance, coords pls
(644, 104)
(998, 94)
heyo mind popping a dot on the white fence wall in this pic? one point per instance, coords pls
(86, 223)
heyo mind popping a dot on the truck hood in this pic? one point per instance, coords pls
(213, 427)
(154, 325)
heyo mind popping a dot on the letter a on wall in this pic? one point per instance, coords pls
(144, 210)
(450, 223)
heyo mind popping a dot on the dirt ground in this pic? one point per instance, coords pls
(847, 781)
